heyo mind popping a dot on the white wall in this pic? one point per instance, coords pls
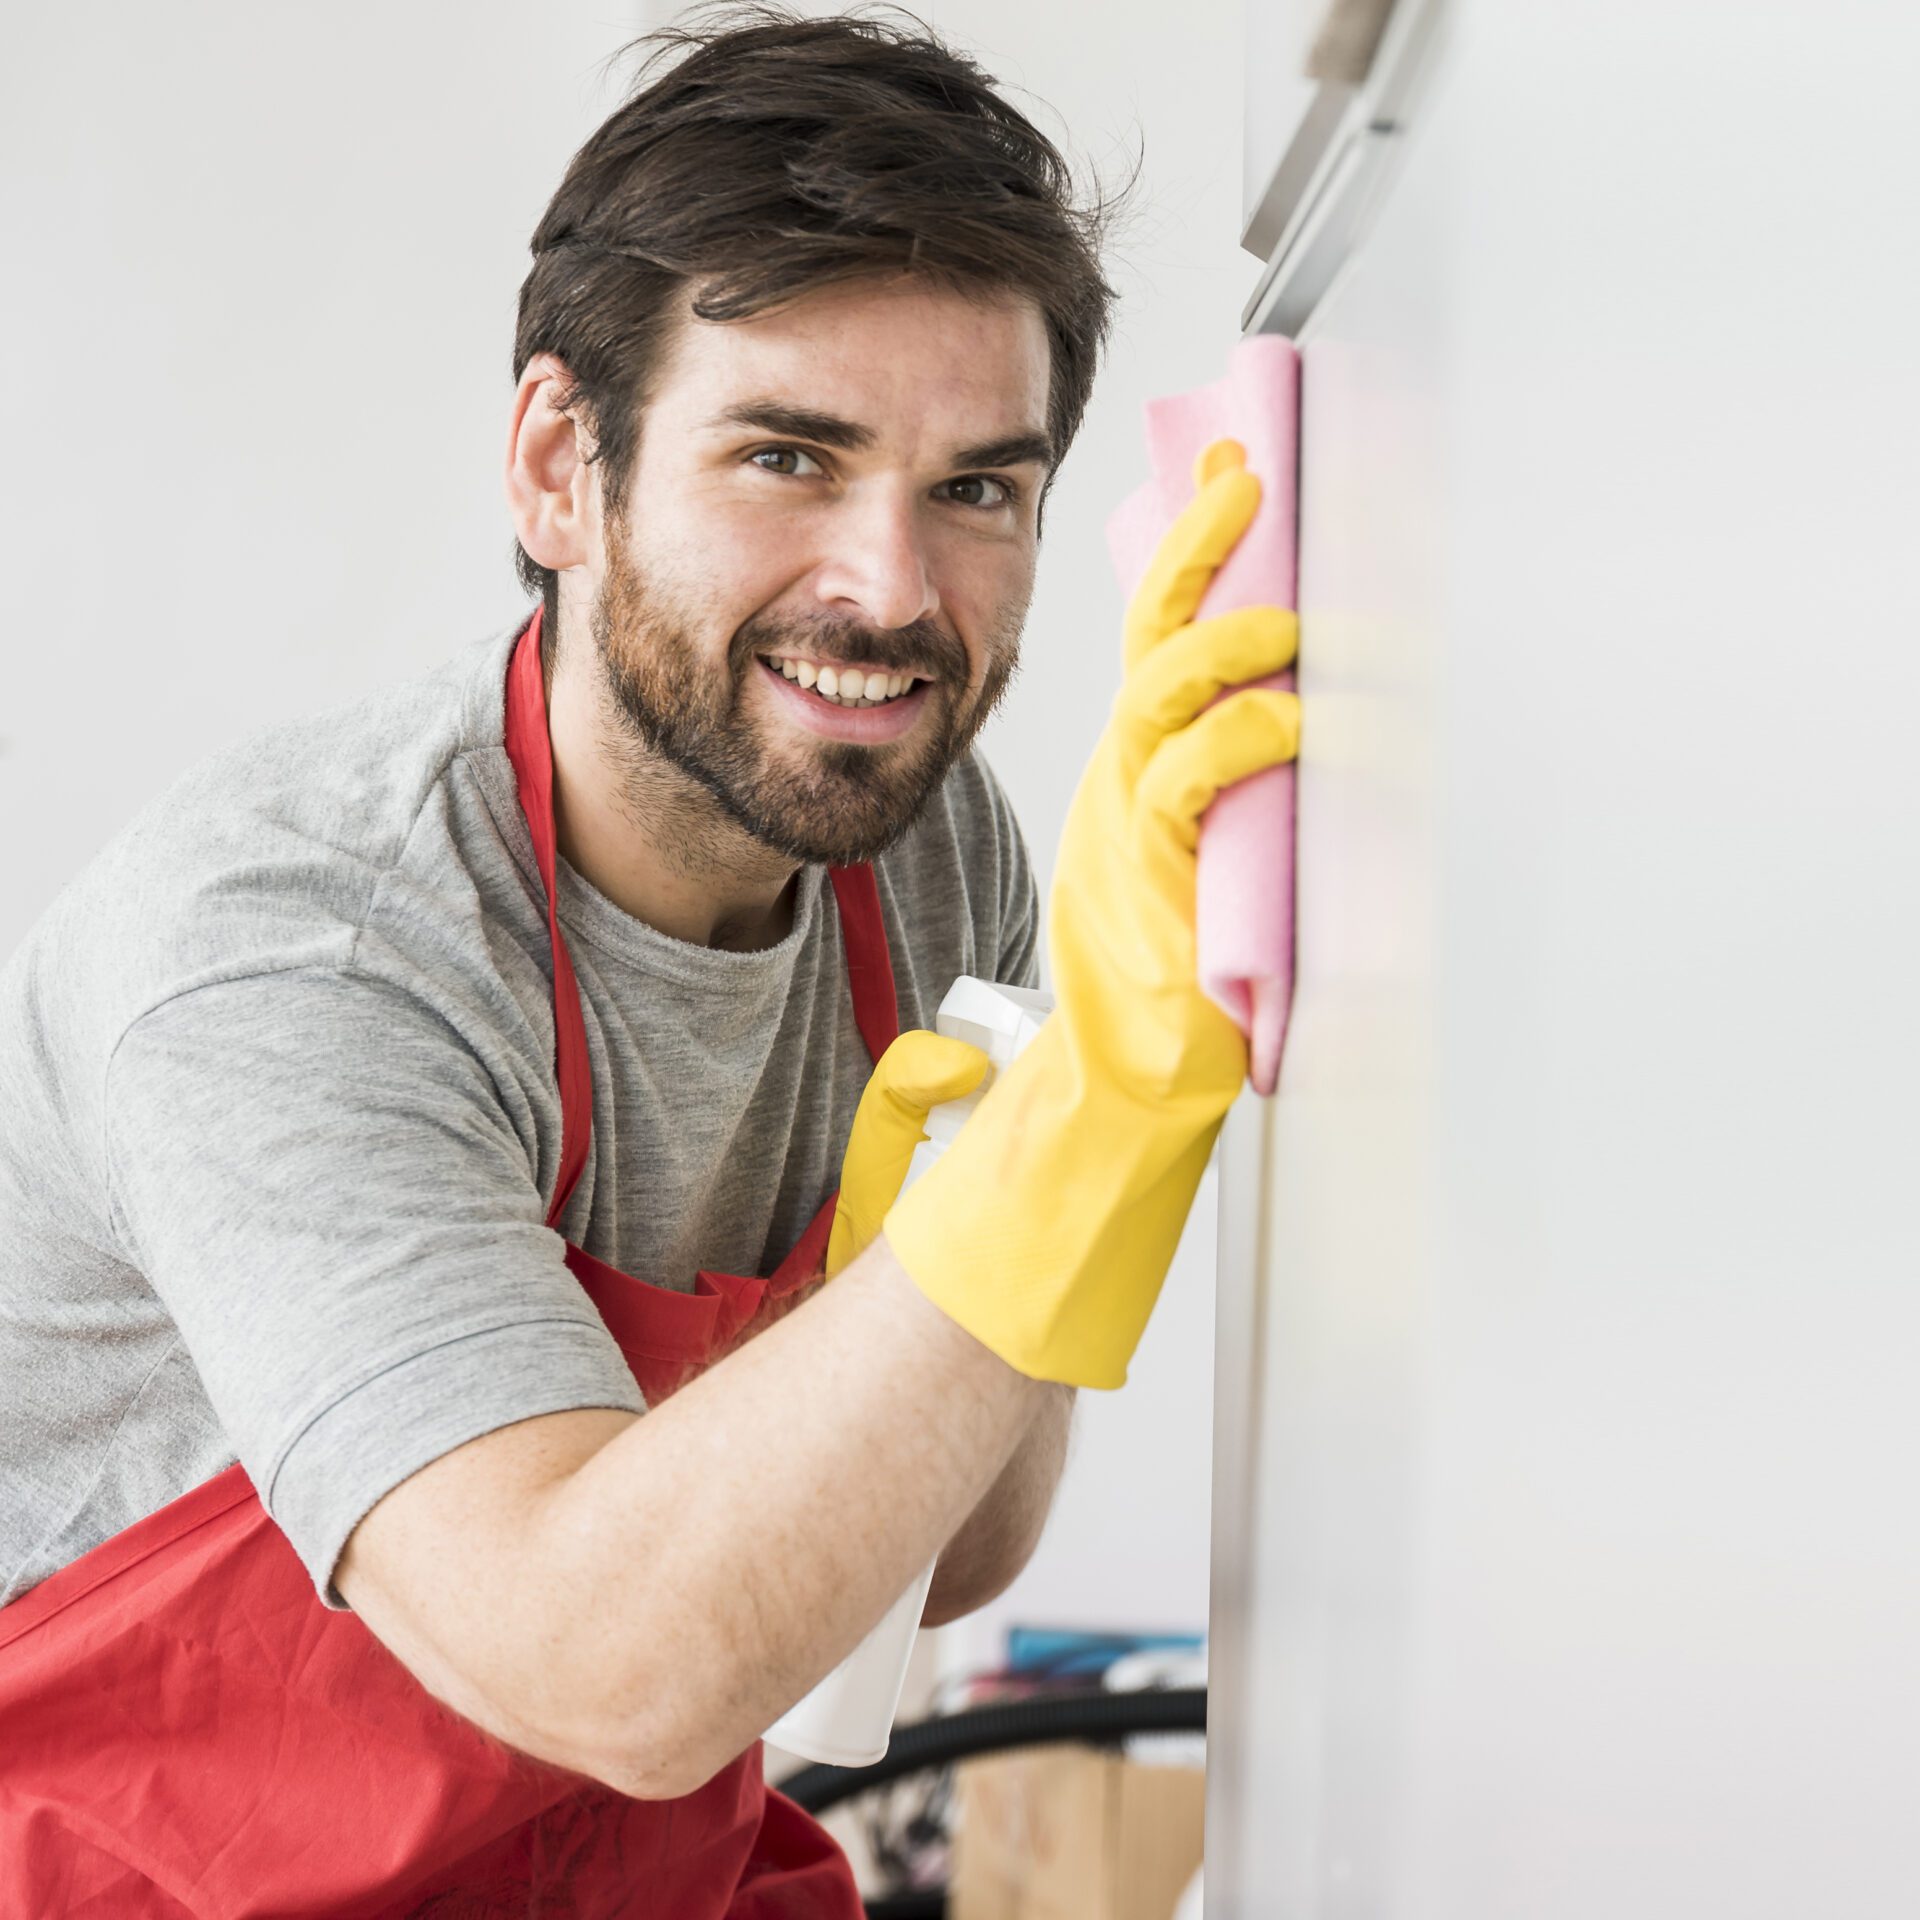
(261, 271)
(261, 288)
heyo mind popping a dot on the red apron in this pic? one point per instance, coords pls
(186, 1730)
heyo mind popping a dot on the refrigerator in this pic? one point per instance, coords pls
(1565, 1561)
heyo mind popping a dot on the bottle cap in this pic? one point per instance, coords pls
(999, 1020)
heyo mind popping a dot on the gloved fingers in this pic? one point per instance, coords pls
(914, 1075)
(1191, 550)
(1177, 681)
(1245, 734)
(1216, 457)
(919, 1072)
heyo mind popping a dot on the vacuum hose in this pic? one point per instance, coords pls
(1091, 1716)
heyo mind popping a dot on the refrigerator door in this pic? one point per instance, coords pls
(1566, 1556)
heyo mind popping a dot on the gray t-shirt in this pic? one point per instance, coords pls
(278, 1122)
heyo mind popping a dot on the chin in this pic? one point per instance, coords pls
(835, 813)
(838, 842)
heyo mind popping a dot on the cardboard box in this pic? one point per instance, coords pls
(1073, 1833)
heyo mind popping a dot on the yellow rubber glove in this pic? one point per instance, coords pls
(915, 1075)
(1047, 1226)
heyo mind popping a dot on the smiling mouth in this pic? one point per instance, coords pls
(851, 687)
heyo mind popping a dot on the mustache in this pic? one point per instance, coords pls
(903, 650)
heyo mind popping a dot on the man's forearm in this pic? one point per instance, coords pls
(999, 1536)
(637, 1598)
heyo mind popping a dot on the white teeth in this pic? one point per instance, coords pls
(846, 686)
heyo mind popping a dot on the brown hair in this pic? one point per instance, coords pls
(786, 154)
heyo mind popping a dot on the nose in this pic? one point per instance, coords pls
(877, 566)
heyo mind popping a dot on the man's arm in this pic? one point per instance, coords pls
(639, 1598)
(985, 1556)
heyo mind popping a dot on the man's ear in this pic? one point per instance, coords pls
(552, 489)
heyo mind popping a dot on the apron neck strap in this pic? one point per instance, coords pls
(862, 926)
(863, 929)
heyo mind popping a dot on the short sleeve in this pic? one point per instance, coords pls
(318, 1177)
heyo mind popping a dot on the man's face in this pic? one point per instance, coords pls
(757, 556)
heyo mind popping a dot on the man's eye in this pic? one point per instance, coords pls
(780, 453)
(1009, 493)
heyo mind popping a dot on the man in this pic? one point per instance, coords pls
(418, 1121)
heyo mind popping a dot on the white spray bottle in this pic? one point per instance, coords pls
(847, 1720)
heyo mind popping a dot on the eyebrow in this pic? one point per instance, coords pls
(830, 430)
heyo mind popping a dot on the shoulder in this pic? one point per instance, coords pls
(267, 855)
(967, 834)
(341, 789)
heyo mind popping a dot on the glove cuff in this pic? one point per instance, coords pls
(1047, 1227)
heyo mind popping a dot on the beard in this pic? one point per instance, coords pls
(800, 795)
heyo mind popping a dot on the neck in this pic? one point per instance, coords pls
(655, 842)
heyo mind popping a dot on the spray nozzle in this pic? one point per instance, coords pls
(999, 1021)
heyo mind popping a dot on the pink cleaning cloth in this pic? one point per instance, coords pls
(1244, 904)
